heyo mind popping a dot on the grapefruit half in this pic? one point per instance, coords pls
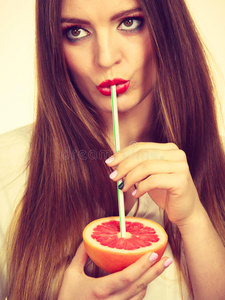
(112, 253)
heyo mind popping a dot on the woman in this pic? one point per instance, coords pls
(151, 50)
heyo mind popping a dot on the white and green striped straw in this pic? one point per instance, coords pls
(117, 148)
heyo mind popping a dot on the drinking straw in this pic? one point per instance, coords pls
(117, 148)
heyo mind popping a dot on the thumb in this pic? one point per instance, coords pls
(80, 258)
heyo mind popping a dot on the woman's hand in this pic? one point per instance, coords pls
(131, 283)
(163, 172)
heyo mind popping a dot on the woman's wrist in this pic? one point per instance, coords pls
(198, 221)
(203, 249)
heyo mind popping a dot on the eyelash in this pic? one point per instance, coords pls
(137, 28)
(67, 30)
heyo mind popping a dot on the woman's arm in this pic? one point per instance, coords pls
(163, 172)
(205, 256)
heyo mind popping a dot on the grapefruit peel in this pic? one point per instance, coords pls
(112, 253)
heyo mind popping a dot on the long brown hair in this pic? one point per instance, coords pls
(68, 183)
(186, 109)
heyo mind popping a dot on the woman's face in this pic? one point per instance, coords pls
(107, 42)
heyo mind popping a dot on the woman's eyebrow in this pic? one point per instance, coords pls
(74, 20)
(125, 13)
(114, 17)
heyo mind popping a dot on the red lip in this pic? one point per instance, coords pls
(121, 86)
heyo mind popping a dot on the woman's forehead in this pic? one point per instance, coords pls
(95, 8)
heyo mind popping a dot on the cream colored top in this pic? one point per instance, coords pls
(13, 155)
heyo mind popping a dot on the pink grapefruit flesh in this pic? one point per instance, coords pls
(112, 253)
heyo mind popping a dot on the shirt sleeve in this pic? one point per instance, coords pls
(14, 148)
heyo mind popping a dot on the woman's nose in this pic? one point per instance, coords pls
(108, 51)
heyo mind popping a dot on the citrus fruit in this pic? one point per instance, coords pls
(112, 253)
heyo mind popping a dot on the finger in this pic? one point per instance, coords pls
(121, 280)
(80, 258)
(174, 183)
(139, 286)
(140, 295)
(146, 157)
(149, 168)
(136, 159)
(134, 148)
(152, 273)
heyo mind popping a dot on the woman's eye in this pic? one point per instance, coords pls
(75, 33)
(131, 24)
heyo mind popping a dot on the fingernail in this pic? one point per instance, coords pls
(168, 262)
(121, 185)
(153, 257)
(134, 192)
(113, 174)
(109, 160)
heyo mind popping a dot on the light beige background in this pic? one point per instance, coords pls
(17, 73)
